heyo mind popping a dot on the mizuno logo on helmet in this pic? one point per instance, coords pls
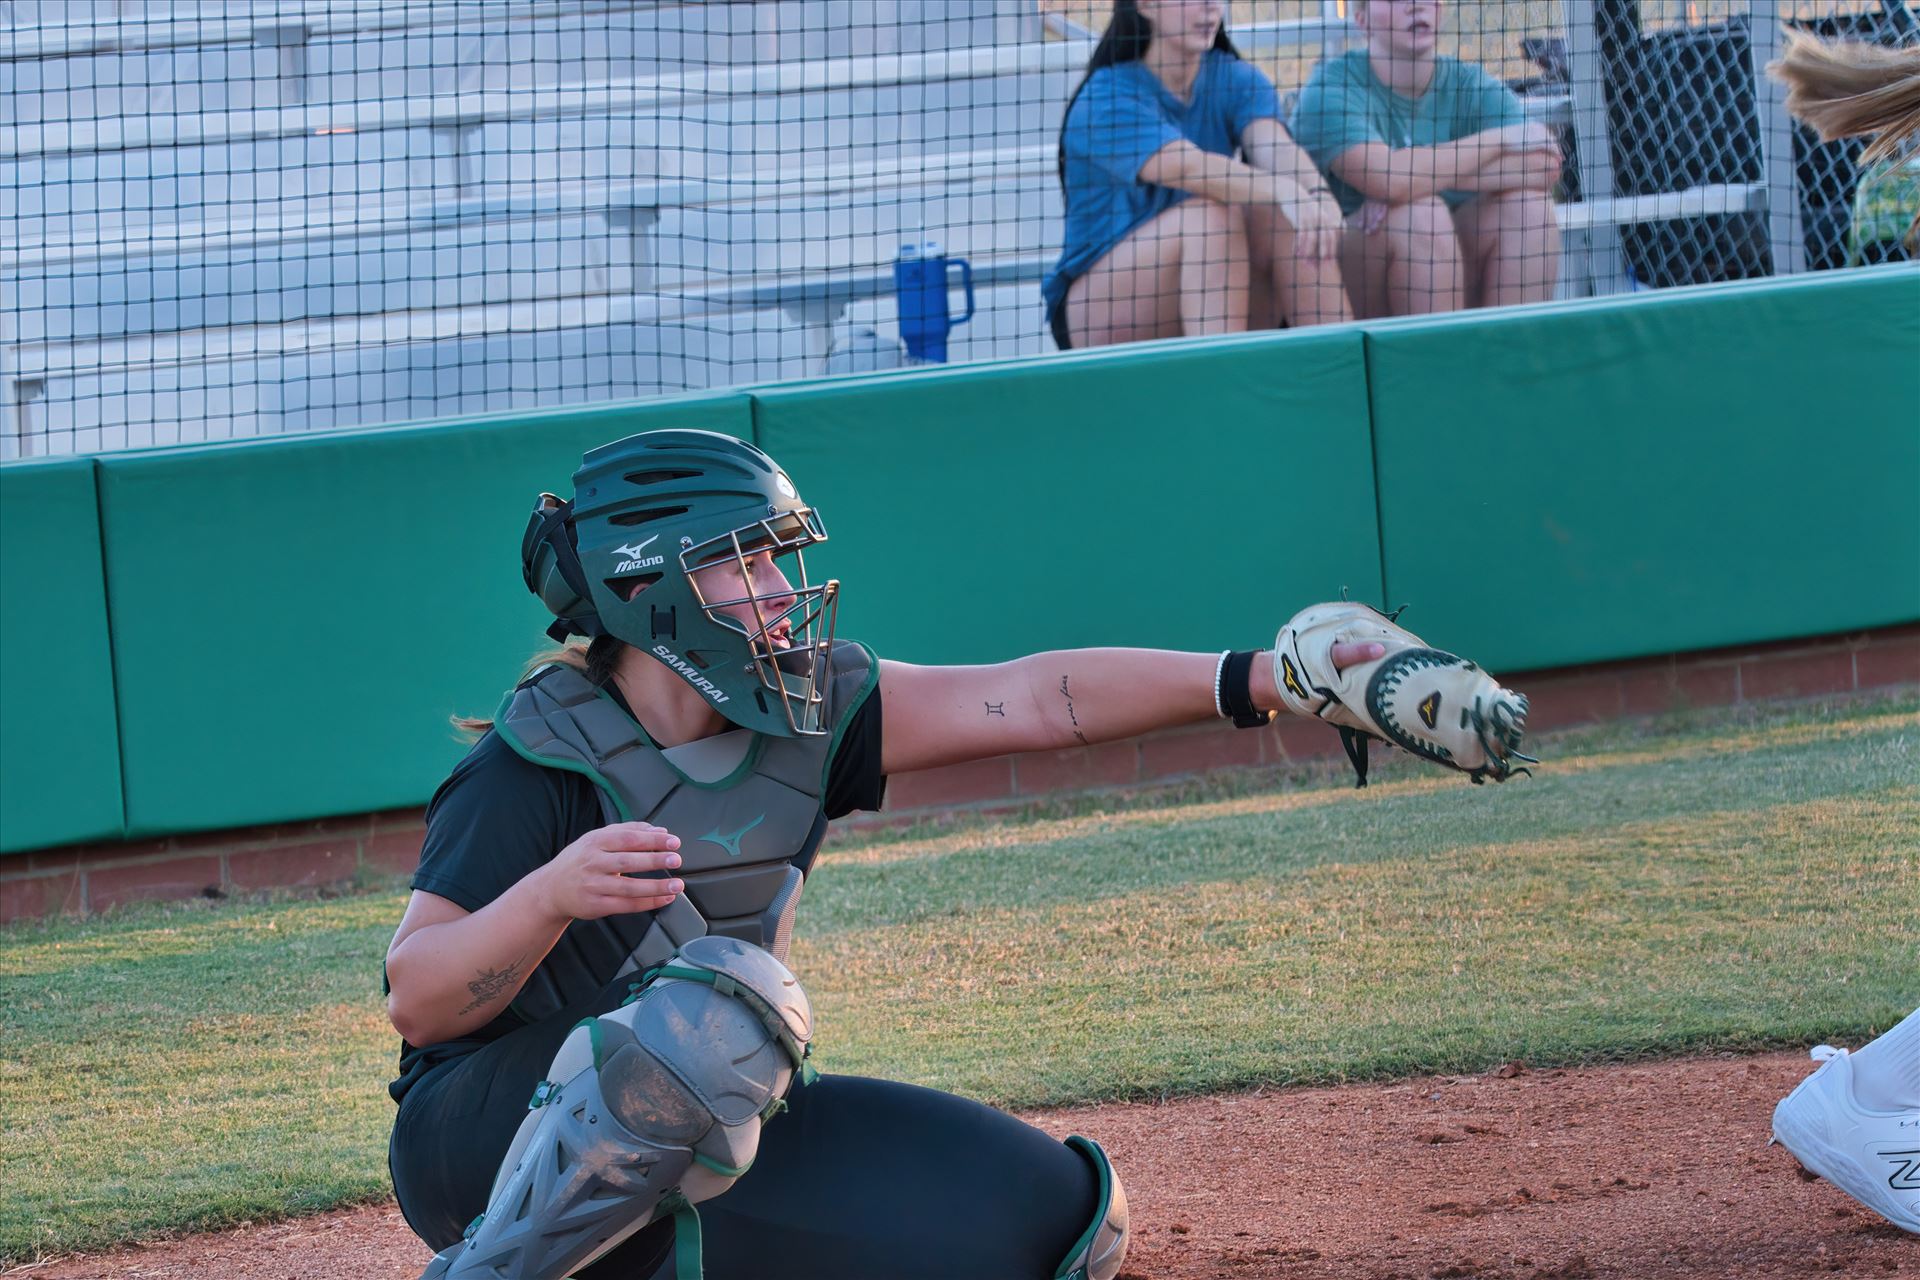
(634, 560)
(691, 672)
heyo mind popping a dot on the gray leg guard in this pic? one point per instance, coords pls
(652, 1107)
(1102, 1247)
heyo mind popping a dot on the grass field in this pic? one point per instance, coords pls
(1715, 881)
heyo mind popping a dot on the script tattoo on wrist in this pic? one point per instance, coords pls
(488, 986)
(1067, 693)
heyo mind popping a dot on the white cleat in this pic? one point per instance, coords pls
(1873, 1156)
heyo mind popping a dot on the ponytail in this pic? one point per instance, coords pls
(597, 661)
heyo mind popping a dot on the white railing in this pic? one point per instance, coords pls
(282, 25)
(469, 111)
(631, 289)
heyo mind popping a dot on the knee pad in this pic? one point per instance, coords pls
(1102, 1247)
(646, 1110)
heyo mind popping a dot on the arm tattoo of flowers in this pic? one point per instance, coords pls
(491, 983)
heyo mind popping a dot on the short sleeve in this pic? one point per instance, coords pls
(496, 818)
(1253, 97)
(1484, 103)
(854, 780)
(1115, 125)
(1333, 115)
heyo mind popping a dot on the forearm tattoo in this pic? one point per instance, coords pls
(1067, 693)
(997, 709)
(491, 983)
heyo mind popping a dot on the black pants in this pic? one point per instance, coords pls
(859, 1180)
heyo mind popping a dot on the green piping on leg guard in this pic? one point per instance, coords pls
(1099, 1251)
(688, 1260)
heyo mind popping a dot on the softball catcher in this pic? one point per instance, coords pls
(606, 1061)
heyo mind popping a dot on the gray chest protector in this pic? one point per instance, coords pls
(747, 809)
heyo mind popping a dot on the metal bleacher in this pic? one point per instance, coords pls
(233, 219)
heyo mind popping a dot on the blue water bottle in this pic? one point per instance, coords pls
(921, 282)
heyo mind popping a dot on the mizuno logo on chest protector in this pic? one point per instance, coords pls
(731, 842)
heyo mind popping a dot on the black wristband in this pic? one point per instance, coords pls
(1236, 691)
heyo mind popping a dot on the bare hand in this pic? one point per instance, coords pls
(612, 871)
(1267, 697)
(1526, 137)
(1373, 216)
(1316, 223)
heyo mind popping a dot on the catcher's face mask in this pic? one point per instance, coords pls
(753, 581)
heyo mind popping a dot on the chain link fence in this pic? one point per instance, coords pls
(225, 220)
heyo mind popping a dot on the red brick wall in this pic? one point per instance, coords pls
(80, 879)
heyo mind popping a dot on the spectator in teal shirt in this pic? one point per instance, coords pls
(1188, 208)
(1445, 187)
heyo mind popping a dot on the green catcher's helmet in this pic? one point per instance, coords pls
(619, 559)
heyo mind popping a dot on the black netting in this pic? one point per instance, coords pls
(235, 219)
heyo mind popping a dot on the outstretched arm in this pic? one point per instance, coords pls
(1072, 697)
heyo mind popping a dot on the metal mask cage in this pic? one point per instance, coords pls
(810, 617)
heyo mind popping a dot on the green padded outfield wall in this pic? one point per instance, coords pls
(292, 621)
(1165, 494)
(296, 619)
(1715, 467)
(59, 754)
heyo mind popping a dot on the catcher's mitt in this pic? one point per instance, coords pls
(1430, 702)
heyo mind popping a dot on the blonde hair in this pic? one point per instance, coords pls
(1847, 89)
(596, 661)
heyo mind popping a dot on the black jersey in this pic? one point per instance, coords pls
(499, 816)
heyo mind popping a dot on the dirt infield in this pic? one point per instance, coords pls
(1637, 1172)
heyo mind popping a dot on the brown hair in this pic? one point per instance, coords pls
(596, 661)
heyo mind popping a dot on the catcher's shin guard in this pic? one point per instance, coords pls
(1102, 1247)
(646, 1110)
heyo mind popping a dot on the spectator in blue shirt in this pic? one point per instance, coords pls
(1188, 209)
(1445, 186)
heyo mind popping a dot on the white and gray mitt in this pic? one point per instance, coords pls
(1433, 703)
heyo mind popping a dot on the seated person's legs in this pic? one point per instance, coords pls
(1402, 260)
(1286, 289)
(1183, 272)
(1512, 240)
